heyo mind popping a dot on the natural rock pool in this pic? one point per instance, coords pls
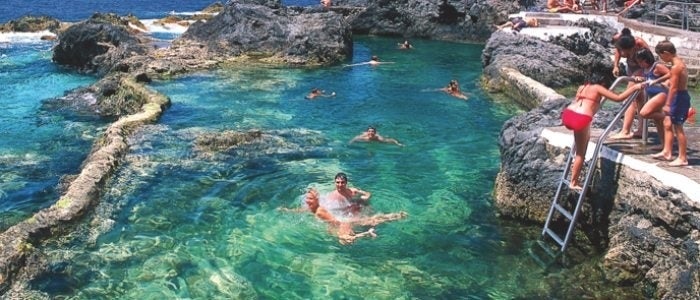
(179, 221)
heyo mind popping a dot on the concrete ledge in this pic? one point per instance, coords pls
(525, 90)
(677, 181)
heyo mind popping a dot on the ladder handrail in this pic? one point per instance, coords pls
(592, 163)
(589, 173)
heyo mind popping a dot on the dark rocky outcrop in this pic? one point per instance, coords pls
(563, 61)
(650, 230)
(98, 44)
(469, 20)
(274, 35)
(31, 24)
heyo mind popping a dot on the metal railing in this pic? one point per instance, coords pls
(679, 14)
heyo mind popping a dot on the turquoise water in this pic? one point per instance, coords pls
(37, 146)
(177, 222)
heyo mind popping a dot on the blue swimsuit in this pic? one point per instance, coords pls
(653, 90)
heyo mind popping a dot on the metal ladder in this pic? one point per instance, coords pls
(563, 190)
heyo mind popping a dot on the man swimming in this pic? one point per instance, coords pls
(371, 135)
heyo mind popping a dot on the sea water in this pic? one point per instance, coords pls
(37, 146)
(179, 222)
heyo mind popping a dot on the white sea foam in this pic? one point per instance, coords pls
(166, 28)
(24, 37)
(189, 13)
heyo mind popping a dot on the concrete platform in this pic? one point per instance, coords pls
(635, 154)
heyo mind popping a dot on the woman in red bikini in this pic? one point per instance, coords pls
(579, 114)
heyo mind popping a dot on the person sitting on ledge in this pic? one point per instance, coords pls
(518, 23)
(554, 6)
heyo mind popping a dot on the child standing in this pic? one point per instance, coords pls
(579, 114)
(677, 104)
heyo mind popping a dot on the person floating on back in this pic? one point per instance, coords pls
(373, 61)
(371, 135)
(405, 45)
(677, 105)
(579, 115)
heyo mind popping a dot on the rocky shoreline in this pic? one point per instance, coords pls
(267, 32)
(646, 231)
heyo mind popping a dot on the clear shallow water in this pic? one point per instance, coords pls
(179, 223)
(37, 146)
(176, 222)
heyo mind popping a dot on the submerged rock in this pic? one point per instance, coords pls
(109, 97)
(225, 140)
(288, 144)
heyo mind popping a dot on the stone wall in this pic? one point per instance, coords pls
(22, 239)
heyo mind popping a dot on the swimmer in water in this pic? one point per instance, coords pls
(371, 135)
(344, 229)
(374, 61)
(318, 93)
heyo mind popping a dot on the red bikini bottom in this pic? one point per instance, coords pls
(575, 121)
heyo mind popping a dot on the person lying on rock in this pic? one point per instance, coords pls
(579, 115)
(518, 23)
